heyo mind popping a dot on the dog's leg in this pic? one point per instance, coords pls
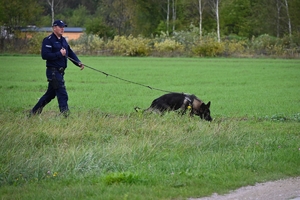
(192, 112)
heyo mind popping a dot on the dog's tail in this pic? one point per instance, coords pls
(137, 109)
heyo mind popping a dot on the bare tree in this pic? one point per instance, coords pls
(200, 9)
(218, 20)
(120, 15)
(174, 13)
(288, 16)
(280, 16)
(168, 16)
(52, 5)
(278, 5)
(215, 7)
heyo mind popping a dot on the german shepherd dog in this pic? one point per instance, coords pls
(182, 102)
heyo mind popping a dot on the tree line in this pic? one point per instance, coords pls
(200, 27)
(106, 18)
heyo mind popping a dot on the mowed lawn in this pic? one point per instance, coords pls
(105, 150)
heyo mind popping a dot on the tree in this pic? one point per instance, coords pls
(117, 14)
(278, 6)
(18, 13)
(288, 16)
(76, 17)
(168, 16)
(148, 16)
(173, 14)
(236, 18)
(97, 27)
(52, 5)
(280, 15)
(294, 11)
(215, 8)
(168, 8)
(120, 15)
(274, 17)
(200, 10)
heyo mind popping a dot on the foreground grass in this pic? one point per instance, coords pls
(107, 151)
(99, 156)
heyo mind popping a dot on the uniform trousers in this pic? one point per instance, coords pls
(56, 88)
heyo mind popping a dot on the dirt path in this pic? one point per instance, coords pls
(287, 189)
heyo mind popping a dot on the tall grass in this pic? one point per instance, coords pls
(105, 150)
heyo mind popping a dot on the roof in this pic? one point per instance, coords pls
(49, 29)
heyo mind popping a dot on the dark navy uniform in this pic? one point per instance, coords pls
(56, 64)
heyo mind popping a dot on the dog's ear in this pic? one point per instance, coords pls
(208, 104)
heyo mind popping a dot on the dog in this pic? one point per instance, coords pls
(182, 102)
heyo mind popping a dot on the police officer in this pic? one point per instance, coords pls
(56, 50)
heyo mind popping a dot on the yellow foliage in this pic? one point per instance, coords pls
(129, 46)
(168, 45)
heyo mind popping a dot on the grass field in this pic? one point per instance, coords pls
(105, 150)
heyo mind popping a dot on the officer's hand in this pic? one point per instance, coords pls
(81, 66)
(63, 52)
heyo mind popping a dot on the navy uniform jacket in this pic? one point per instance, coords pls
(51, 52)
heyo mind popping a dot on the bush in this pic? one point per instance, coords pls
(187, 38)
(291, 45)
(88, 44)
(35, 42)
(235, 45)
(129, 46)
(234, 48)
(208, 46)
(185, 43)
(168, 46)
(267, 45)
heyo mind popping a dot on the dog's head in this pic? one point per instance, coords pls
(201, 109)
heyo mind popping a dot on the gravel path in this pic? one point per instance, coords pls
(286, 189)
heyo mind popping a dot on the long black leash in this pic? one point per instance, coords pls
(106, 74)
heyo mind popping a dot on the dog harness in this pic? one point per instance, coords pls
(189, 100)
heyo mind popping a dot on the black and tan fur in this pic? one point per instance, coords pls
(181, 102)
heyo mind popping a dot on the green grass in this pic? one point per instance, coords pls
(105, 150)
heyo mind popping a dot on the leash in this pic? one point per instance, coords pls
(122, 79)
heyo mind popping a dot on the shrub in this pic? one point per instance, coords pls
(184, 43)
(168, 46)
(129, 46)
(267, 45)
(291, 45)
(187, 38)
(233, 47)
(88, 44)
(208, 46)
(35, 42)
